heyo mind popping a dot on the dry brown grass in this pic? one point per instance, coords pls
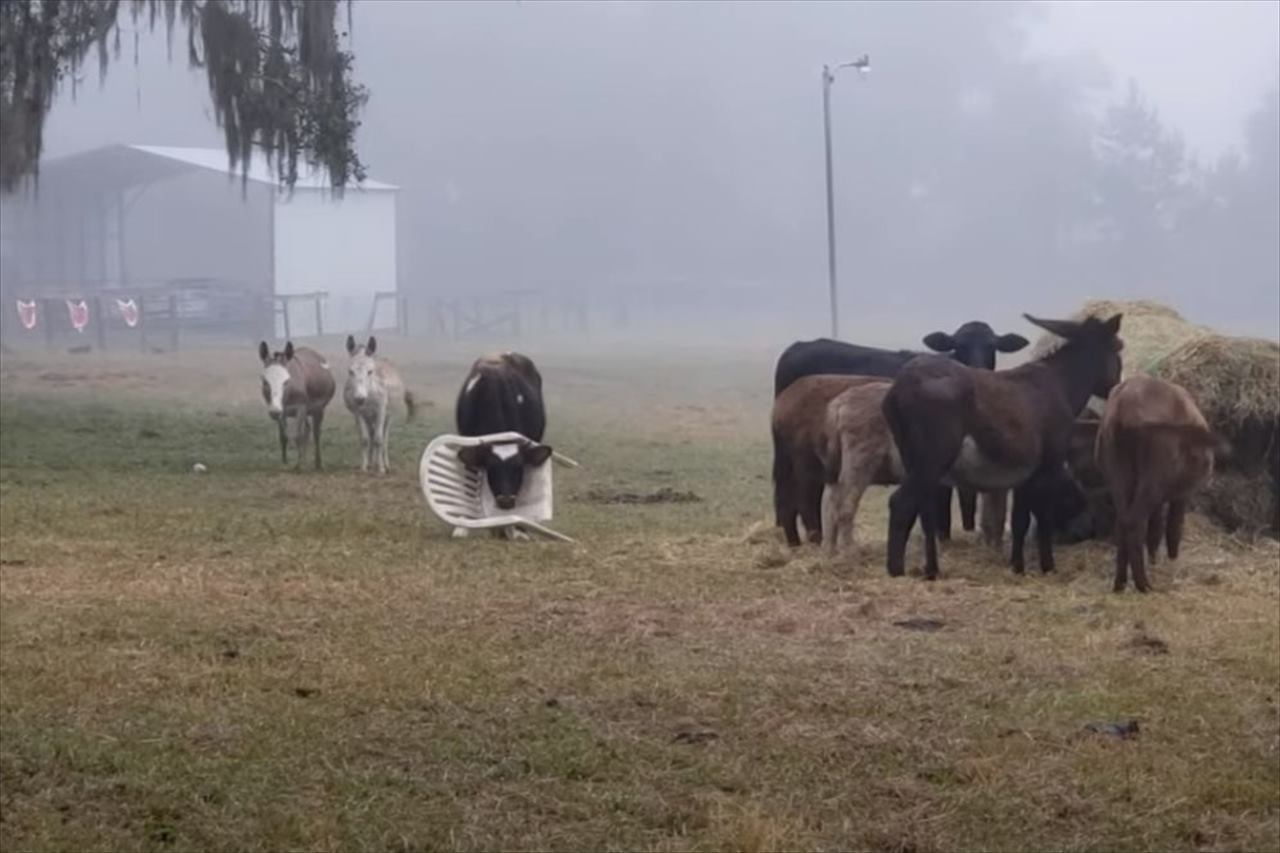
(257, 660)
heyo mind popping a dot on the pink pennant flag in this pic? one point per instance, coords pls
(27, 314)
(128, 310)
(79, 314)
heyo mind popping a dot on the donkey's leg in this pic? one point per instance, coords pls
(1173, 527)
(363, 427)
(282, 426)
(318, 418)
(902, 517)
(1122, 555)
(1021, 521)
(1043, 507)
(384, 428)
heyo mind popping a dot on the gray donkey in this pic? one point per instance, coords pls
(296, 384)
(371, 385)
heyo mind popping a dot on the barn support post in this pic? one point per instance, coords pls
(99, 325)
(46, 305)
(284, 307)
(173, 322)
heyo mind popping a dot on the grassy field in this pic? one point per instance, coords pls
(256, 659)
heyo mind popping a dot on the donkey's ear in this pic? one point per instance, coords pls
(536, 455)
(1011, 342)
(475, 457)
(351, 345)
(288, 351)
(939, 342)
(371, 346)
(1113, 325)
(264, 352)
(1062, 328)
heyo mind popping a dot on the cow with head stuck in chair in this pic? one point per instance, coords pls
(503, 393)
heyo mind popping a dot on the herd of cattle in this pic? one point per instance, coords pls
(846, 417)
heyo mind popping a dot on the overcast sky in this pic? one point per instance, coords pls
(1205, 63)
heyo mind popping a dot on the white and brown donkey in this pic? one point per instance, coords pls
(296, 384)
(371, 385)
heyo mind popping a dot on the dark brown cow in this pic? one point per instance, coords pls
(1155, 448)
(986, 431)
(798, 422)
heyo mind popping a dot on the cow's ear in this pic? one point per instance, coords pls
(288, 351)
(475, 457)
(264, 352)
(536, 455)
(1011, 342)
(372, 346)
(351, 345)
(939, 342)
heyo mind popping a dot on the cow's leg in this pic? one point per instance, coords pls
(317, 419)
(994, 510)
(363, 426)
(943, 505)
(1173, 527)
(1155, 534)
(968, 508)
(1021, 521)
(902, 517)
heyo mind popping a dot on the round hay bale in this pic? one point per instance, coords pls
(1150, 331)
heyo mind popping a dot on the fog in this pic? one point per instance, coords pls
(673, 152)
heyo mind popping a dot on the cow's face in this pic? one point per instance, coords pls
(975, 344)
(503, 466)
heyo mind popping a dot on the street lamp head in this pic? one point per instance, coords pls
(862, 64)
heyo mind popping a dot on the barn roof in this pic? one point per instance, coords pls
(119, 166)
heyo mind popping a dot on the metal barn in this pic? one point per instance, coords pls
(168, 231)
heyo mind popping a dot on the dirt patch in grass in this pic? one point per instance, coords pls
(664, 495)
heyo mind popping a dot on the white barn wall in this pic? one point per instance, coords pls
(345, 247)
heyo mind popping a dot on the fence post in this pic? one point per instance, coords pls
(319, 318)
(47, 305)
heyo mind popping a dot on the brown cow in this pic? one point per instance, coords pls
(1155, 449)
(798, 422)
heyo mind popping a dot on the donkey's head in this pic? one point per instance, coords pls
(1096, 347)
(362, 371)
(275, 376)
(503, 465)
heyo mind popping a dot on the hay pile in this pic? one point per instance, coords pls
(1149, 329)
(1236, 384)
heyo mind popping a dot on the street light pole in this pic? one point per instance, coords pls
(828, 77)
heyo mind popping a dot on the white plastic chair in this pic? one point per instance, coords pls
(461, 496)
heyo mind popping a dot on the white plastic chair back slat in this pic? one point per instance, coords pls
(461, 497)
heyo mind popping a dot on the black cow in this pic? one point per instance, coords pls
(974, 344)
(503, 393)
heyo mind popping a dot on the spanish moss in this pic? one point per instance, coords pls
(278, 79)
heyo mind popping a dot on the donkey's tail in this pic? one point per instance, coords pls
(410, 404)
